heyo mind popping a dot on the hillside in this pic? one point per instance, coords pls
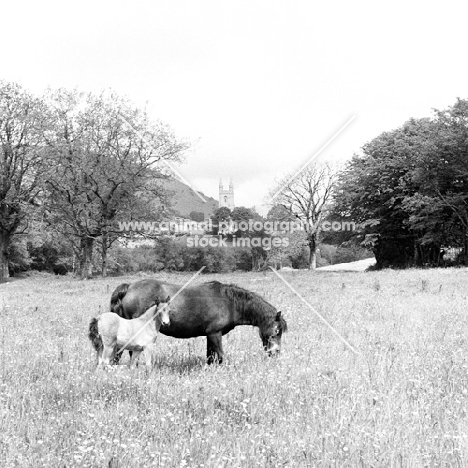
(184, 200)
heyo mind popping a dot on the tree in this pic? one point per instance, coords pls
(441, 207)
(21, 164)
(293, 243)
(408, 190)
(220, 215)
(241, 214)
(280, 213)
(307, 197)
(105, 154)
(248, 216)
(373, 188)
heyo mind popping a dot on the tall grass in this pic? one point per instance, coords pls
(401, 402)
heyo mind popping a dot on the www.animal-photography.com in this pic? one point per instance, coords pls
(233, 235)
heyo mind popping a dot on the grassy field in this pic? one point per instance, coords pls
(401, 402)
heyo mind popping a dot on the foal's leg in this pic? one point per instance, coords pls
(149, 356)
(107, 355)
(214, 348)
(99, 356)
(134, 358)
(117, 357)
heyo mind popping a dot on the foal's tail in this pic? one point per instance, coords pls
(94, 335)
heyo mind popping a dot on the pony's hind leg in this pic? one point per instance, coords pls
(214, 348)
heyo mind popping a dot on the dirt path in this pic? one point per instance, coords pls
(360, 265)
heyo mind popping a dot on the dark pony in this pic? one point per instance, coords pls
(210, 309)
(118, 295)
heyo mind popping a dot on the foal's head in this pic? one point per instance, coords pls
(163, 311)
(271, 335)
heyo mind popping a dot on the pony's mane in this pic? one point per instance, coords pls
(254, 307)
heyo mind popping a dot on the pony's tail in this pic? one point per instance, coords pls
(118, 295)
(94, 335)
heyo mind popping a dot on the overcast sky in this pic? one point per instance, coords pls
(256, 86)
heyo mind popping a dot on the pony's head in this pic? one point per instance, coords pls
(163, 311)
(271, 335)
(253, 310)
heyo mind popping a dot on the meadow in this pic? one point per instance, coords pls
(402, 402)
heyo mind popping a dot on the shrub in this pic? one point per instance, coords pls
(49, 257)
(130, 260)
(19, 259)
(351, 254)
(173, 255)
(243, 256)
(327, 254)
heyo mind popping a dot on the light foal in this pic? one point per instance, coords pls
(111, 334)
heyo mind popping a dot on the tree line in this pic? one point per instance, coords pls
(72, 164)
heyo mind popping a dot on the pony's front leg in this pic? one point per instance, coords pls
(134, 358)
(214, 348)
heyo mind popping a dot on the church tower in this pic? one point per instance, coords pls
(226, 197)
